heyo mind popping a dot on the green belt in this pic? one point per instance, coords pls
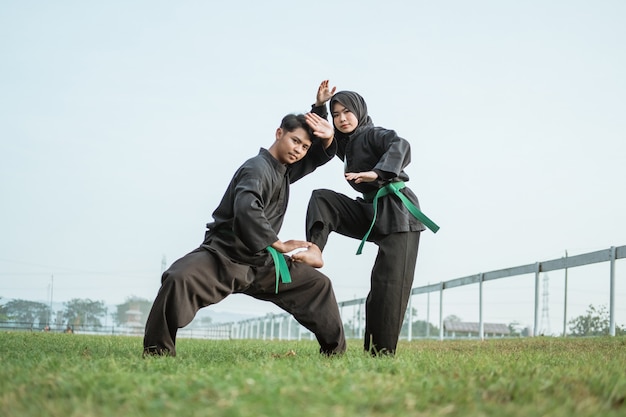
(395, 187)
(282, 270)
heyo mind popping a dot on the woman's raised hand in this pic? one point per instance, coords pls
(324, 93)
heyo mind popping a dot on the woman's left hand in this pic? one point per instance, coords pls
(324, 93)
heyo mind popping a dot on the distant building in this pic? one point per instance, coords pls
(464, 329)
(134, 319)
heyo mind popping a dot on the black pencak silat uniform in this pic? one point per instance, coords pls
(396, 231)
(233, 259)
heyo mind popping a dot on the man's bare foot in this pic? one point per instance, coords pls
(312, 256)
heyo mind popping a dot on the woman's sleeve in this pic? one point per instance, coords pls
(321, 111)
(396, 154)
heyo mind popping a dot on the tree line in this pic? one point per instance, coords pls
(78, 312)
(87, 313)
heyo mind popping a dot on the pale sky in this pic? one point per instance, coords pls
(121, 124)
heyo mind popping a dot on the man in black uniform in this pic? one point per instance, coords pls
(242, 253)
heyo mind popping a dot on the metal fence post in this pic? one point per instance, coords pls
(481, 324)
(428, 313)
(565, 300)
(289, 328)
(612, 295)
(441, 311)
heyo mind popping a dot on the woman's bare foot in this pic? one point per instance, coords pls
(312, 256)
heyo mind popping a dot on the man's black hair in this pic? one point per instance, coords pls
(293, 121)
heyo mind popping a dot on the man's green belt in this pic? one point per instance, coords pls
(395, 187)
(282, 270)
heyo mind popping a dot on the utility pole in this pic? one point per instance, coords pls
(51, 293)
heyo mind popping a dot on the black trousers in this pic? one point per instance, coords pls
(204, 277)
(393, 271)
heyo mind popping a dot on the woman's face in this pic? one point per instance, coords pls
(344, 120)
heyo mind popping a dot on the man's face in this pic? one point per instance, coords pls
(291, 147)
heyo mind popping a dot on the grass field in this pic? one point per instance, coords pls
(44, 374)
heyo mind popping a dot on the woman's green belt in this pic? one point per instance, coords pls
(394, 187)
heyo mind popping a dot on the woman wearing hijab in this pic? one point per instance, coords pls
(387, 214)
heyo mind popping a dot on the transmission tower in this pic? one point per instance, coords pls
(545, 306)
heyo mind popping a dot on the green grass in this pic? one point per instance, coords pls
(43, 374)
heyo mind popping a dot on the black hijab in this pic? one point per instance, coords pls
(356, 104)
